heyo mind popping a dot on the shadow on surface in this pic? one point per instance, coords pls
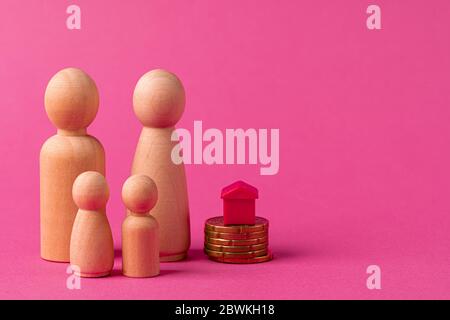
(195, 255)
(117, 253)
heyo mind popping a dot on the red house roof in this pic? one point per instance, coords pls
(239, 190)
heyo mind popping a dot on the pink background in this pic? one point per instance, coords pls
(364, 125)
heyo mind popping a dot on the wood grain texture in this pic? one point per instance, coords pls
(140, 246)
(140, 234)
(91, 244)
(159, 103)
(71, 102)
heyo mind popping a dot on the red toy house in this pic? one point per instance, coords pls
(239, 203)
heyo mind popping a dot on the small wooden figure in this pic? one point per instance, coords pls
(158, 101)
(140, 240)
(91, 244)
(239, 203)
(71, 103)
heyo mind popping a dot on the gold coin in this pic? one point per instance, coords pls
(256, 247)
(216, 224)
(259, 259)
(235, 236)
(245, 255)
(247, 242)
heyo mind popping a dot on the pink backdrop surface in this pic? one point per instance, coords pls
(364, 138)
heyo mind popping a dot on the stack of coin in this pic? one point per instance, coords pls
(237, 243)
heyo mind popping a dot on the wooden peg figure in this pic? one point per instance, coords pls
(158, 102)
(71, 103)
(91, 245)
(140, 240)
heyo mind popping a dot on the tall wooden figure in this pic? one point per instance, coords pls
(71, 103)
(158, 102)
(91, 244)
(140, 240)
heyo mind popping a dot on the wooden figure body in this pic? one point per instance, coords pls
(91, 244)
(158, 101)
(140, 240)
(71, 103)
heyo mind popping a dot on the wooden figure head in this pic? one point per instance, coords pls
(71, 100)
(139, 194)
(159, 99)
(90, 191)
